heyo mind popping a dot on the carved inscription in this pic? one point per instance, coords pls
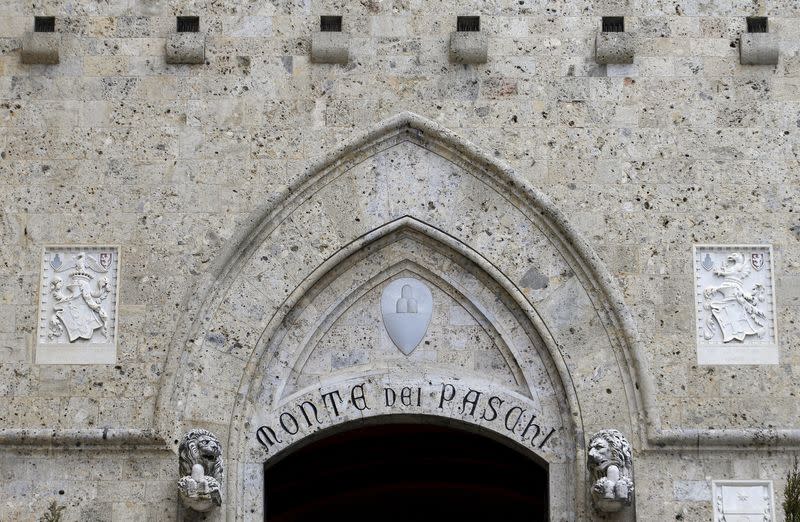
(317, 410)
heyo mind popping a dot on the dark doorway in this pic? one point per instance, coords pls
(408, 472)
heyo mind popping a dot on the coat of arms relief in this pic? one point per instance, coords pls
(735, 305)
(77, 312)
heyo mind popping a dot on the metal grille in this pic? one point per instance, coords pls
(44, 24)
(188, 24)
(757, 24)
(330, 24)
(613, 24)
(468, 23)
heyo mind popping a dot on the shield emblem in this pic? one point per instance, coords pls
(105, 259)
(708, 263)
(407, 307)
(757, 260)
(56, 262)
(80, 320)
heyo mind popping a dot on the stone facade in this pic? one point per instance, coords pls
(261, 203)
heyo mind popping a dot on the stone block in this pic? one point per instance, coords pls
(330, 47)
(758, 49)
(188, 48)
(40, 48)
(614, 48)
(468, 47)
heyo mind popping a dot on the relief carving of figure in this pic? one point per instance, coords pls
(78, 307)
(730, 307)
(201, 469)
(610, 464)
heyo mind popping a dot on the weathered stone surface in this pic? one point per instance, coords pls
(330, 47)
(468, 47)
(614, 48)
(186, 48)
(759, 49)
(175, 164)
(40, 48)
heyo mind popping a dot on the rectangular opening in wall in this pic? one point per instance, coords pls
(757, 24)
(330, 24)
(468, 23)
(44, 24)
(613, 24)
(188, 24)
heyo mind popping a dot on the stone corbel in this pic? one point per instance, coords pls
(186, 48)
(330, 47)
(201, 470)
(40, 48)
(610, 464)
(614, 48)
(759, 49)
(469, 47)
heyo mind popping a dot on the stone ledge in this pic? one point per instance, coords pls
(759, 49)
(186, 48)
(469, 47)
(330, 47)
(614, 48)
(106, 438)
(40, 48)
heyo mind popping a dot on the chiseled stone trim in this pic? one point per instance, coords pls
(100, 438)
(239, 448)
(727, 439)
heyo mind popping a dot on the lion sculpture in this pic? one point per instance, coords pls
(611, 467)
(201, 468)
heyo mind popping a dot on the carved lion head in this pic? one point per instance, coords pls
(201, 447)
(607, 447)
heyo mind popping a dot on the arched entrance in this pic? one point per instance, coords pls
(408, 471)
(527, 338)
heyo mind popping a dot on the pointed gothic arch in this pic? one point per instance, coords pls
(407, 176)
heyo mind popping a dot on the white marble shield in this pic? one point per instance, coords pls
(407, 306)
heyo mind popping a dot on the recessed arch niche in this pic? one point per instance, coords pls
(287, 327)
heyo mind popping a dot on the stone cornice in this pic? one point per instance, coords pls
(82, 439)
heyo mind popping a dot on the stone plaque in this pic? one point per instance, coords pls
(743, 501)
(735, 304)
(78, 306)
(406, 306)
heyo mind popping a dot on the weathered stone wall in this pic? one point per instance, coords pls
(114, 146)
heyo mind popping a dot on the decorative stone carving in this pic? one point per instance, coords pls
(78, 306)
(407, 307)
(611, 467)
(201, 469)
(743, 501)
(735, 305)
